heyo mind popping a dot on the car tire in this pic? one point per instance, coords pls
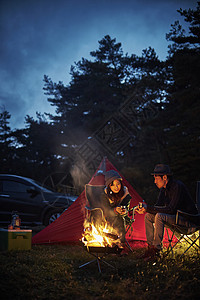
(51, 216)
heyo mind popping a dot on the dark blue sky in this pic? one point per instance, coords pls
(46, 37)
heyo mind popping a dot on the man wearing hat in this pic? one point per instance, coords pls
(173, 196)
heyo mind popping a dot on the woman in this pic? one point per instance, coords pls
(118, 198)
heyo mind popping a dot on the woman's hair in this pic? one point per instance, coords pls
(115, 197)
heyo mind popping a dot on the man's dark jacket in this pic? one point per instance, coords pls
(172, 198)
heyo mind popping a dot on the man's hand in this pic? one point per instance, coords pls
(140, 211)
(141, 208)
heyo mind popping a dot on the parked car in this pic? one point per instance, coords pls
(35, 204)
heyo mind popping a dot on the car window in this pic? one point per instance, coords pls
(12, 186)
(42, 187)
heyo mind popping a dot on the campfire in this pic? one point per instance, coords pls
(100, 239)
(100, 235)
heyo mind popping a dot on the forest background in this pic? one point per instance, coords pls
(136, 110)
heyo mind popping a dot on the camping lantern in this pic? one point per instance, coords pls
(16, 221)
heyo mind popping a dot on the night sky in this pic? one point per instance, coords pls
(46, 37)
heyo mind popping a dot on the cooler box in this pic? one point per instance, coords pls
(11, 239)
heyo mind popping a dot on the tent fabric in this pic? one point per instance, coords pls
(68, 227)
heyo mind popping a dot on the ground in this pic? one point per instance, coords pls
(53, 272)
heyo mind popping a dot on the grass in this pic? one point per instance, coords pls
(52, 272)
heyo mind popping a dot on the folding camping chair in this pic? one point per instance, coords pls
(189, 234)
(184, 233)
(96, 207)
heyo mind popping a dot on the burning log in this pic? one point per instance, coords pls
(105, 250)
(111, 235)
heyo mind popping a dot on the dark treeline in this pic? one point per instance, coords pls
(136, 110)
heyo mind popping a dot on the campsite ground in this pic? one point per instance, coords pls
(52, 272)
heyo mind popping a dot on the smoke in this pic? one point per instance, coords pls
(80, 174)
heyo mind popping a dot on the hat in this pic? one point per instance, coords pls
(161, 169)
(110, 176)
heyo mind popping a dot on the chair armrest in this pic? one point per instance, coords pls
(177, 218)
(133, 212)
(195, 219)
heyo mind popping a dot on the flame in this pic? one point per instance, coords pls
(100, 235)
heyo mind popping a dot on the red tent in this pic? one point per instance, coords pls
(69, 226)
